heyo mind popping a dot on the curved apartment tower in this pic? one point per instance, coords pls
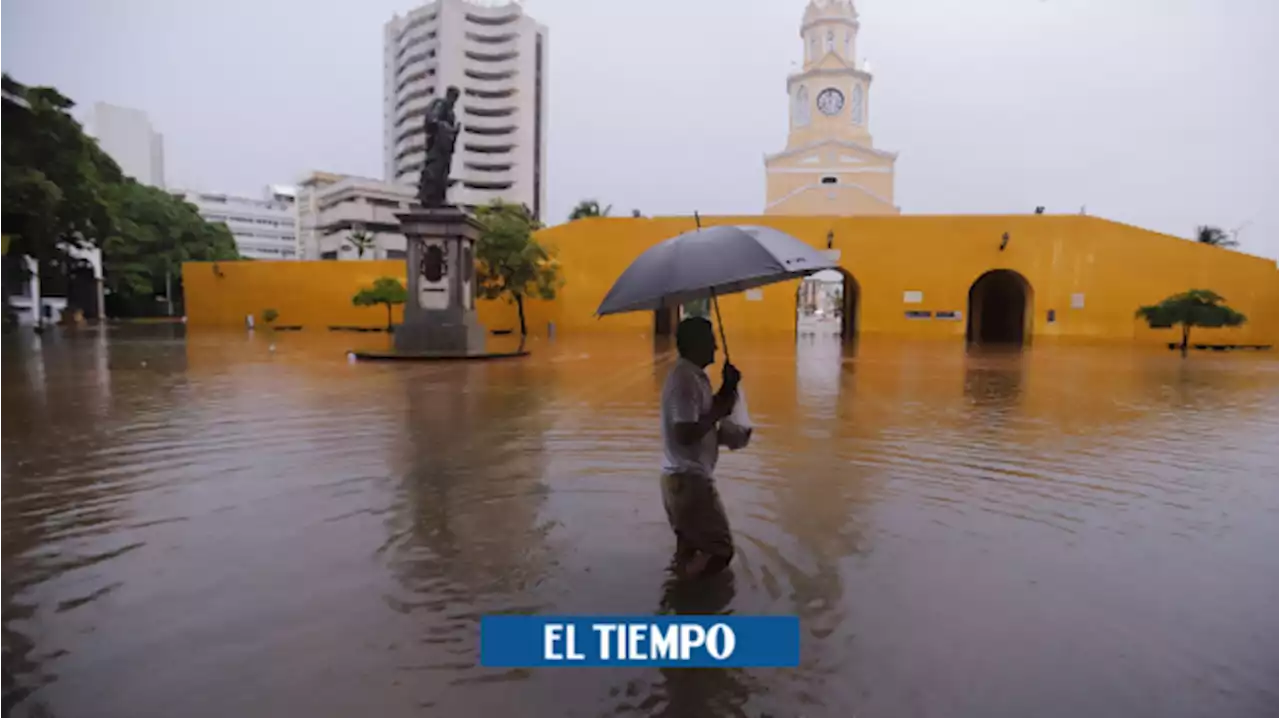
(496, 56)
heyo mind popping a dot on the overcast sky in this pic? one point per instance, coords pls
(1160, 113)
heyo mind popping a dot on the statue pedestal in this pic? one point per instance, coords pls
(440, 310)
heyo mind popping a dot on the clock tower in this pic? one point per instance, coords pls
(829, 165)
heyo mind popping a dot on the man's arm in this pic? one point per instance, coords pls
(691, 432)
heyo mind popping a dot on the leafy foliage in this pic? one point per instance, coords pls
(589, 208)
(60, 190)
(362, 241)
(510, 262)
(53, 176)
(385, 290)
(269, 316)
(155, 233)
(1206, 234)
(1193, 308)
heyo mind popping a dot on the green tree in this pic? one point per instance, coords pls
(269, 316)
(589, 208)
(362, 241)
(510, 262)
(1193, 308)
(1206, 234)
(385, 290)
(54, 177)
(155, 233)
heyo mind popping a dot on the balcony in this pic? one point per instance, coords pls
(415, 23)
(494, 17)
(488, 38)
(417, 40)
(416, 61)
(416, 88)
(487, 166)
(420, 73)
(493, 76)
(410, 163)
(409, 146)
(416, 100)
(488, 147)
(473, 110)
(477, 95)
(410, 124)
(490, 56)
(481, 132)
(488, 186)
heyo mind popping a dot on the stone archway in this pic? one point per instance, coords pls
(829, 305)
(1000, 309)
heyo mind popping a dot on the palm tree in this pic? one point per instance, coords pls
(589, 208)
(362, 241)
(1214, 236)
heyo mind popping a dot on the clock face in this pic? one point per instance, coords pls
(830, 101)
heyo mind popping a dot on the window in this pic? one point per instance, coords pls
(831, 41)
(829, 180)
(848, 46)
(855, 105)
(329, 255)
(916, 314)
(813, 47)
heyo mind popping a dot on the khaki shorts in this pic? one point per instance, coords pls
(696, 514)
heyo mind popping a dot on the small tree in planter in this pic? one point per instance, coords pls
(510, 262)
(385, 290)
(1192, 308)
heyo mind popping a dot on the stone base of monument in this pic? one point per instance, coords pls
(440, 320)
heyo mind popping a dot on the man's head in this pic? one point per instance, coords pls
(451, 94)
(696, 341)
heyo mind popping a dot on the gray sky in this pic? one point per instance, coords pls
(1160, 113)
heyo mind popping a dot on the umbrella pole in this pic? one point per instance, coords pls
(720, 322)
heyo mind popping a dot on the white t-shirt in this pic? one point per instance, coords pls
(686, 396)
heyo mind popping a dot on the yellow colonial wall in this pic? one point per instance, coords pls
(1117, 267)
(313, 295)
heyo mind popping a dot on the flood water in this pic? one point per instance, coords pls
(200, 526)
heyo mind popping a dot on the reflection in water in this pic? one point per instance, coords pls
(197, 525)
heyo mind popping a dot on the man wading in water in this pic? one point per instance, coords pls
(691, 439)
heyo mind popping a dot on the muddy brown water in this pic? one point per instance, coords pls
(200, 526)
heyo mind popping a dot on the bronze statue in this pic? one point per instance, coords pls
(442, 132)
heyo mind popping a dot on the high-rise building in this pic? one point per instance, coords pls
(830, 165)
(346, 217)
(263, 227)
(497, 58)
(127, 136)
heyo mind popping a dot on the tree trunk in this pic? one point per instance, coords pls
(388, 317)
(524, 331)
(1186, 332)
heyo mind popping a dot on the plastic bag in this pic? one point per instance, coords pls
(735, 429)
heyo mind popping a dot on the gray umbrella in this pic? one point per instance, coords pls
(708, 262)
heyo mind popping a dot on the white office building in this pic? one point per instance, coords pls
(348, 217)
(127, 136)
(497, 58)
(264, 227)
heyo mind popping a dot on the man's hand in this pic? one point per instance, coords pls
(731, 378)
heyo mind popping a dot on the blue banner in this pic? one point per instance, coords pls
(687, 641)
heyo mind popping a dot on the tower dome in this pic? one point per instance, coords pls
(828, 10)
